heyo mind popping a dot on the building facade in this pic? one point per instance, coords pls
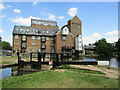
(45, 36)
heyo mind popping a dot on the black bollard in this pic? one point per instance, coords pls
(61, 57)
(18, 56)
(30, 57)
(39, 60)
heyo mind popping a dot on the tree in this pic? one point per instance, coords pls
(103, 48)
(6, 45)
(118, 45)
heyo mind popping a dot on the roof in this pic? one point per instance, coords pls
(43, 20)
(27, 30)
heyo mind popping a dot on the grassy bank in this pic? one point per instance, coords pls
(70, 78)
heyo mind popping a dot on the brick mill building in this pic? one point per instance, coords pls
(45, 36)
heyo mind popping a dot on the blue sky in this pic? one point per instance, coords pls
(100, 19)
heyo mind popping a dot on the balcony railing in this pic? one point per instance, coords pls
(43, 46)
(43, 39)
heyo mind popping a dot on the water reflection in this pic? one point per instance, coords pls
(14, 71)
(113, 61)
(5, 72)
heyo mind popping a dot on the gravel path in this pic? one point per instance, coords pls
(109, 72)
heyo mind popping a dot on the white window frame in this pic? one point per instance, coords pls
(16, 42)
(64, 37)
(33, 43)
(38, 37)
(16, 36)
(33, 37)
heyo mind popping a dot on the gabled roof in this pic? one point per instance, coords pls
(27, 30)
(75, 18)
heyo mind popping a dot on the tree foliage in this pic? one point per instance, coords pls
(103, 48)
(118, 45)
(6, 45)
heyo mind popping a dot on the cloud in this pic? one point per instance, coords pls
(51, 17)
(17, 10)
(2, 16)
(1, 31)
(2, 6)
(23, 21)
(72, 11)
(112, 39)
(8, 6)
(92, 38)
(61, 17)
(115, 32)
(35, 3)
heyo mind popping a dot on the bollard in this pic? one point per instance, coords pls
(30, 57)
(39, 60)
(61, 57)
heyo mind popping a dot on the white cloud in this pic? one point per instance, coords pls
(61, 17)
(2, 16)
(51, 17)
(72, 11)
(8, 6)
(112, 39)
(92, 38)
(35, 3)
(17, 10)
(21, 20)
(2, 6)
(115, 32)
(1, 31)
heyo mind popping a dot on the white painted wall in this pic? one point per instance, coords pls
(78, 43)
(65, 31)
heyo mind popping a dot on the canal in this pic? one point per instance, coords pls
(13, 71)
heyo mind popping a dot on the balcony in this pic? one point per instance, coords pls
(43, 39)
(67, 47)
(43, 46)
(23, 38)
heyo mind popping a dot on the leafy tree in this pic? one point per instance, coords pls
(6, 45)
(103, 48)
(118, 45)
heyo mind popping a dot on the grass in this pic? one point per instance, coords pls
(68, 79)
(79, 70)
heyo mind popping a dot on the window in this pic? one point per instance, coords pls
(33, 37)
(23, 44)
(23, 37)
(47, 38)
(47, 32)
(64, 38)
(38, 37)
(17, 29)
(33, 49)
(16, 42)
(16, 36)
(33, 43)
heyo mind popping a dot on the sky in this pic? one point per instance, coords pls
(99, 19)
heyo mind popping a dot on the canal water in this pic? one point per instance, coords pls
(12, 71)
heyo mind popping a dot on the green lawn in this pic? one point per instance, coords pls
(53, 79)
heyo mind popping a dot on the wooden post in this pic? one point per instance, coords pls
(44, 54)
(30, 57)
(39, 60)
(67, 56)
(18, 54)
(50, 56)
(61, 57)
(57, 57)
